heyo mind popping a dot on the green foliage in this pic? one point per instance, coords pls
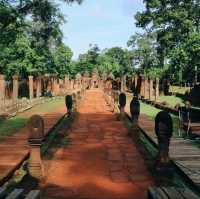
(120, 60)
(144, 53)
(87, 61)
(31, 39)
(175, 26)
(62, 58)
(185, 58)
(114, 60)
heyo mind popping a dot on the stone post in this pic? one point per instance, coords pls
(150, 89)
(2, 91)
(2, 87)
(135, 110)
(30, 87)
(72, 84)
(135, 80)
(35, 126)
(56, 85)
(142, 86)
(122, 104)
(146, 88)
(66, 82)
(15, 87)
(75, 103)
(69, 104)
(38, 91)
(163, 130)
(157, 90)
(122, 84)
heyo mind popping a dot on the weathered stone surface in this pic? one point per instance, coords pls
(36, 127)
(30, 87)
(163, 129)
(135, 109)
(69, 103)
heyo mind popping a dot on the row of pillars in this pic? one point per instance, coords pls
(147, 89)
(53, 86)
(3, 87)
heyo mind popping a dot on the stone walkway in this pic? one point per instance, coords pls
(14, 149)
(101, 161)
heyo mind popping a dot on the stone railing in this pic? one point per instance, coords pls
(11, 108)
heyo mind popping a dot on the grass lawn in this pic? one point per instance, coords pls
(178, 89)
(171, 100)
(12, 125)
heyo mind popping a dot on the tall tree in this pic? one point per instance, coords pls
(32, 28)
(144, 53)
(171, 20)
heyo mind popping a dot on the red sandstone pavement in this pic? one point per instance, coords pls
(101, 161)
(14, 149)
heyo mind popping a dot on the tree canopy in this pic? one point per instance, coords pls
(176, 28)
(31, 39)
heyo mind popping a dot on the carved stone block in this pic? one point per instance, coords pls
(69, 103)
(135, 109)
(163, 130)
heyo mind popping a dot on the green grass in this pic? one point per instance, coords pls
(148, 110)
(45, 107)
(151, 112)
(178, 89)
(171, 100)
(12, 125)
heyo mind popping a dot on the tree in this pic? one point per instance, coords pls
(144, 52)
(29, 33)
(62, 58)
(185, 58)
(88, 61)
(121, 58)
(171, 20)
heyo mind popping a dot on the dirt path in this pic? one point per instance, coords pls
(101, 161)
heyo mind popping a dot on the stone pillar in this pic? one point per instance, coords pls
(135, 110)
(163, 130)
(66, 82)
(75, 102)
(142, 86)
(35, 126)
(38, 91)
(157, 90)
(55, 86)
(135, 80)
(122, 84)
(72, 84)
(15, 87)
(2, 87)
(146, 88)
(30, 87)
(122, 104)
(2, 91)
(69, 104)
(150, 89)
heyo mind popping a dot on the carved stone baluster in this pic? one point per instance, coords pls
(36, 135)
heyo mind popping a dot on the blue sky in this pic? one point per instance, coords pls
(107, 23)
